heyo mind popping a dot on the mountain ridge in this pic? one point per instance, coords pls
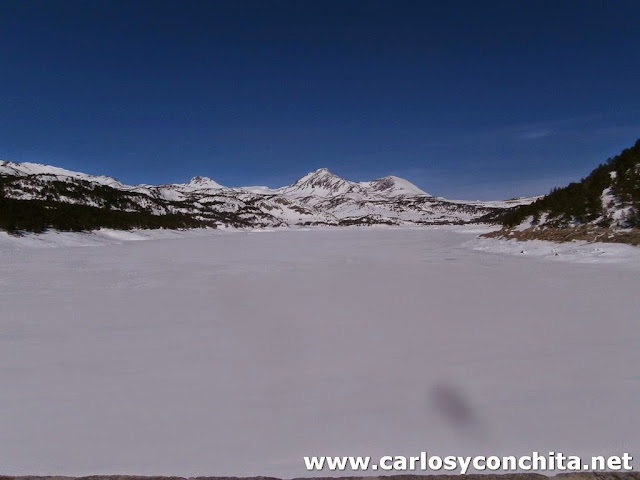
(318, 198)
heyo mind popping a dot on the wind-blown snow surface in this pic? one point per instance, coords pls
(237, 353)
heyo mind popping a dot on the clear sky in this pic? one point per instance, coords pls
(467, 99)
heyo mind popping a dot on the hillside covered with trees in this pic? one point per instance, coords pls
(605, 205)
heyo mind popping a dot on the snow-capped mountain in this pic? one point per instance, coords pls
(49, 172)
(322, 184)
(318, 198)
(202, 183)
(394, 186)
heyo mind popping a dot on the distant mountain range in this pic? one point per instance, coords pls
(34, 197)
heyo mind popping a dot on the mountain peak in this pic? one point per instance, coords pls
(203, 182)
(319, 173)
(321, 182)
(324, 183)
(395, 186)
(321, 177)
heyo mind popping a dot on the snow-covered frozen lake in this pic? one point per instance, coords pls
(238, 353)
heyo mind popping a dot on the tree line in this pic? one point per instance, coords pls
(581, 201)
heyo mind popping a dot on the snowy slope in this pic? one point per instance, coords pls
(25, 169)
(393, 186)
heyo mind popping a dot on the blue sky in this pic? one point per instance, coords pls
(467, 99)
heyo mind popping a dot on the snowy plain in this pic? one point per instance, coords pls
(238, 353)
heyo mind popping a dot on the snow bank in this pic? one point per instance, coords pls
(575, 251)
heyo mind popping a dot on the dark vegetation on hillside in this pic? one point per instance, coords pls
(581, 201)
(39, 215)
(79, 205)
